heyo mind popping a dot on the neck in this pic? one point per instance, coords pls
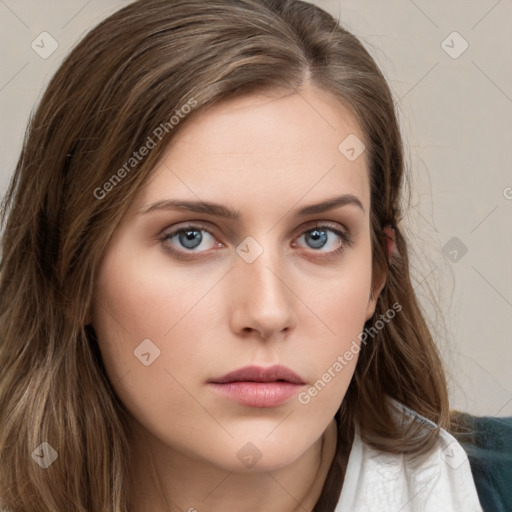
(166, 480)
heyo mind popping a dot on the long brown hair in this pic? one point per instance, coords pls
(128, 76)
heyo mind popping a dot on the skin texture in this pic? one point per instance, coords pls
(266, 156)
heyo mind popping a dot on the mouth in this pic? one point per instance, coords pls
(255, 386)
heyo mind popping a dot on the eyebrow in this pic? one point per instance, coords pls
(220, 210)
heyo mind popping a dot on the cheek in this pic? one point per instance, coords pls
(336, 312)
(341, 301)
(141, 293)
(138, 310)
(146, 332)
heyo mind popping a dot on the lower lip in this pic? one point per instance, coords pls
(257, 394)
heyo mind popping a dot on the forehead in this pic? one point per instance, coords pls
(260, 151)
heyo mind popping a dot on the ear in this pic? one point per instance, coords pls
(377, 287)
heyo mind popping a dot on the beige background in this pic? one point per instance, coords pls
(456, 115)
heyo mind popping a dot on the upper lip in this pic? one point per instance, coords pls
(260, 374)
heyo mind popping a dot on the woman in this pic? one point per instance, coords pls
(206, 300)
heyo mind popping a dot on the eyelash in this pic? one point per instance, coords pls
(345, 236)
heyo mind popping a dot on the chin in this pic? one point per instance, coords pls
(254, 454)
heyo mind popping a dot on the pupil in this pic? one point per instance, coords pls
(319, 238)
(191, 238)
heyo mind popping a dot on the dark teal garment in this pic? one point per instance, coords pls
(489, 448)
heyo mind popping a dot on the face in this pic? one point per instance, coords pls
(186, 295)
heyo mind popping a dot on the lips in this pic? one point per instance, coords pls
(258, 374)
(255, 386)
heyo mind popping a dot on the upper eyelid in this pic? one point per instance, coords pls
(308, 226)
(205, 226)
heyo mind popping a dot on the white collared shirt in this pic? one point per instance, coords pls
(385, 482)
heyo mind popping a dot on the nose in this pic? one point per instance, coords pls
(262, 300)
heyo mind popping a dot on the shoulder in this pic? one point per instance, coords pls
(439, 481)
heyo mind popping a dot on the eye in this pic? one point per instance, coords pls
(186, 241)
(189, 239)
(326, 236)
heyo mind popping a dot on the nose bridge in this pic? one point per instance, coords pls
(263, 298)
(259, 268)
